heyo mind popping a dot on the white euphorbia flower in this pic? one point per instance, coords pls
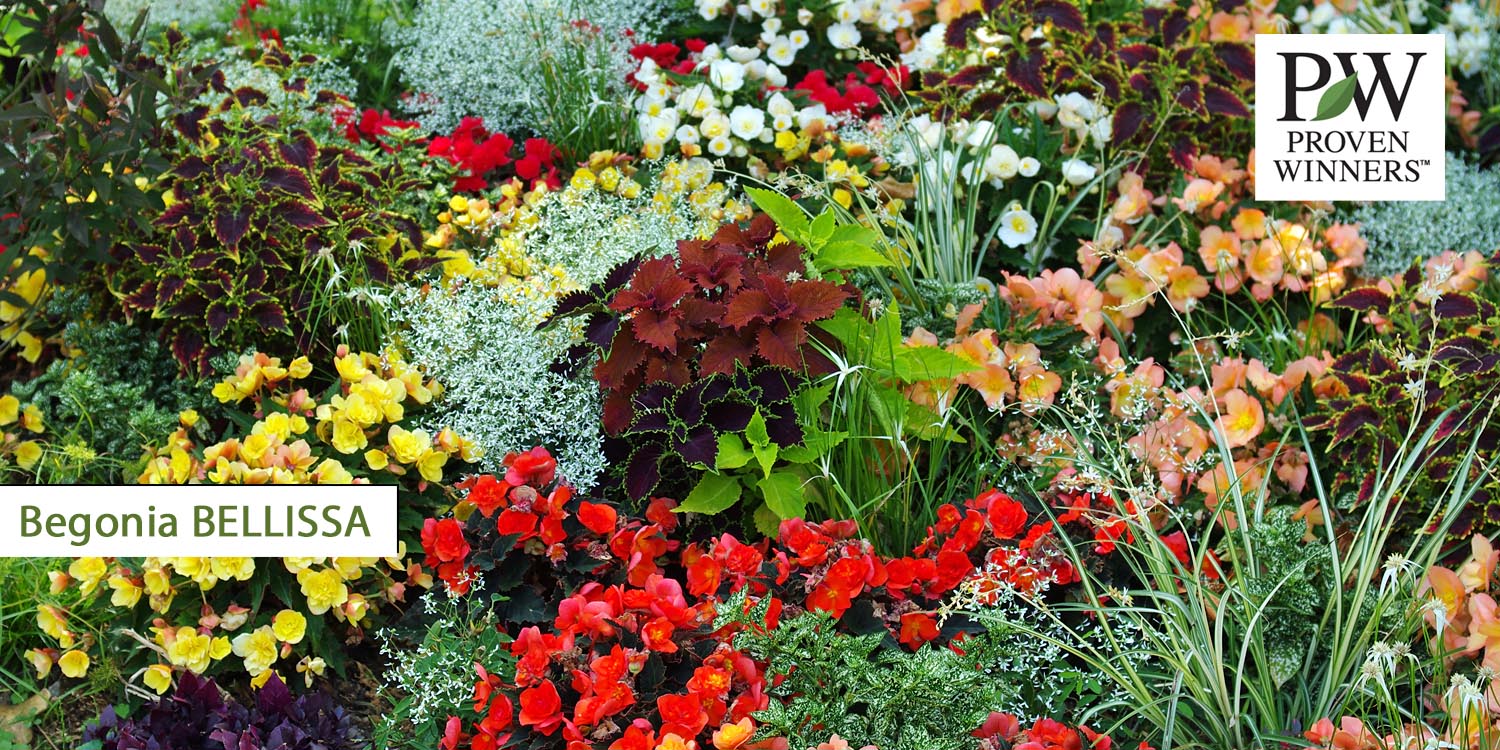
(778, 105)
(804, 16)
(771, 25)
(1078, 172)
(1017, 226)
(747, 122)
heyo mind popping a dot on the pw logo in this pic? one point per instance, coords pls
(1347, 90)
(1349, 117)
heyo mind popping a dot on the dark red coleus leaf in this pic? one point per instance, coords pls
(1184, 152)
(299, 215)
(1025, 71)
(1221, 101)
(1129, 117)
(1450, 306)
(1135, 54)
(957, 34)
(1062, 15)
(1237, 58)
(292, 181)
(217, 318)
(231, 225)
(1366, 298)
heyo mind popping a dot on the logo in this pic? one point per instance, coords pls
(1350, 117)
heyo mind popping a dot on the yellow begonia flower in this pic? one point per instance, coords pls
(351, 568)
(188, 417)
(41, 661)
(261, 679)
(311, 666)
(220, 648)
(238, 568)
(28, 453)
(289, 626)
(376, 459)
(409, 446)
(190, 649)
(430, 465)
(158, 677)
(296, 565)
(257, 648)
(10, 409)
(299, 368)
(88, 571)
(31, 418)
(324, 590)
(74, 664)
(348, 437)
(356, 608)
(127, 592)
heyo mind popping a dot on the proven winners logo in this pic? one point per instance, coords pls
(1349, 117)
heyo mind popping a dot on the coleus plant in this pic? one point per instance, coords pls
(1161, 73)
(266, 229)
(1432, 370)
(694, 345)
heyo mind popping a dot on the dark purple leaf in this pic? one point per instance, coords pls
(1063, 15)
(1237, 58)
(1025, 71)
(1221, 101)
(231, 225)
(299, 215)
(288, 180)
(1129, 117)
(1365, 298)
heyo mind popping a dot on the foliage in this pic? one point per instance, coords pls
(197, 713)
(1429, 371)
(1401, 233)
(268, 236)
(354, 34)
(436, 674)
(82, 136)
(1163, 73)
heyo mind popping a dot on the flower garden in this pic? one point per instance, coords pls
(779, 374)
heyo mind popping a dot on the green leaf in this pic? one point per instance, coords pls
(783, 494)
(822, 228)
(839, 254)
(732, 452)
(767, 523)
(755, 432)
(766, 456)
(1336, 98)
(917, 363)
(715, 493)
(787, 214)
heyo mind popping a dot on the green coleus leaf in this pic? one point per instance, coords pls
(786, 213)
(756, 432)
(714, 493)
(732, 452)
(783, 494)
(841, 254)
(1336, 98)
(822, 229)
(766, 456)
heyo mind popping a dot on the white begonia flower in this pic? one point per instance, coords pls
(817, 113)
(1462, 15)
(658, 129)
(763, 8)
(928, 131)
(980, 134)
(716, 125)
(782, 122)
(779, 105)
(1074, 111)
(771, 25)
(1078, 172)
(973, 172)
(648, 72)
(799, 39)
(843, 36)
(1322, 14)
(924, 54)
(696, 100)
(720, 146)
(1002, 162)
(804, 16)
(688, 134)
(781, 51)
(747, 122)
(774, 77)
(888, 22)
(847, 13)
(741, 54)
(756, 69)
(726, 75)
(1102, 130)
(1017, 226)
(1030, 166)
(711, 9)
(1043, 109)
(743, 11)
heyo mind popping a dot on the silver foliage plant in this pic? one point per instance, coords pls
(484, 57)
(1402, 232)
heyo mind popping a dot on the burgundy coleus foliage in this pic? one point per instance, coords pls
(1158, 64)
(1370, 403)
(253, 208)
(613, 616)
(731, 301)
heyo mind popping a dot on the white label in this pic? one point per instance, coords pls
(1349, 117)
(198, 521)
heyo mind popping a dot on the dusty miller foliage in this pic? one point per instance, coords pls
(1402, 232)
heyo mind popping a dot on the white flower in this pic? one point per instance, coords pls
(656, 129)
(1075, 111)
(817, 113)
(715, 125)
(648, 73)
(1002, 162)
(980, 134)
(711, 9)
(848, 13)
(781, 51)
(741, 54)
(763, 8)
(774, 77)
(747, 122)
(688, 134)
(726, 75)
(1102, 130)
(782, 122)
(778, 105)
(1017, 226)
(1043, 109)
(1078, 171)
(756, 69)
(843, 36)
(799, 38)
(697, 100)
(720, 146)
(1030, 166)
(771, 25)
(804, 16)
(888, 22)
(711, 53)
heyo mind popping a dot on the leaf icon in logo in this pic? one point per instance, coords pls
(1336, 99)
